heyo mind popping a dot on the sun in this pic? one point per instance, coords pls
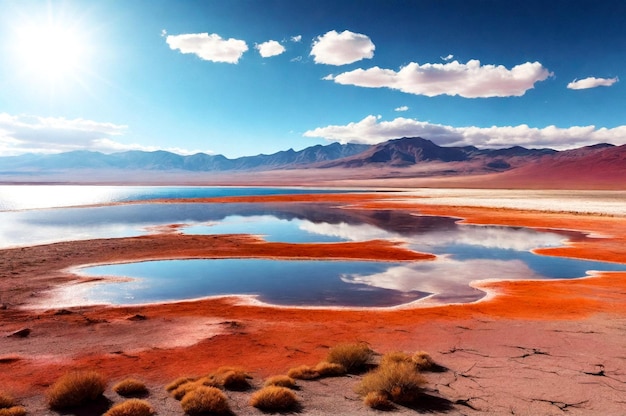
(50, 52)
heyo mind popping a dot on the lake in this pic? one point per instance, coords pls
(465, 253)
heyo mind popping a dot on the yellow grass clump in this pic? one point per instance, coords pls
(177, 383)
(423, 361)
(75, 389)
(6, 400)
(274, 399)
(203, 400)
(378, 400)
(13, 411)
(281, 381)
(400, 381)
(131, 407)
(231, 378)
(303, 372)
(326, 369)
(130, 387)
(185, 388)
(354, 357)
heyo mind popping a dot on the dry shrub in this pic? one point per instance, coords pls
(354, 357)
(130, 387)
(231, 378)
(303, 372)
(208, 381)
(6, 400)
(423, 361)
(274, 399)
(13, 411)
(281, 381)
(178, 382)
(400, 381)
(326, 369)
(395, 357)
(185, 388)
(378, 400)
(75, 389)
(131, 407)
(204, 400)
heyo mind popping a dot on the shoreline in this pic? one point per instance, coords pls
(269, 340)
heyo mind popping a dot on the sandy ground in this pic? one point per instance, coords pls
(531, 348)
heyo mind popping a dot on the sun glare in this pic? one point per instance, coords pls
(50, 52)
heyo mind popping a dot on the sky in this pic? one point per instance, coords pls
(239, 78)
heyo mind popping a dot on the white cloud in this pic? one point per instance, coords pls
(343, 48)
(208, 47)
(402, 108)
(270, 48)
(447, 58)
(591, 82)
(470, 80)
(32, 134)
(296, 38)
(371, 130)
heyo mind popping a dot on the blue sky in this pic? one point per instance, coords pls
(248, 77)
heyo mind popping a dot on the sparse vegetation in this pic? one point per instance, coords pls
(6, 401)
(75, 389)
(131, 407)
(204, 400)
(326, 369)
(378, 400)
(130, 387)
(274, 399)
(185, 388)
(423, 361)
(13, 411)
(397, 380)
(281, 381)
(303, 372)
(354, 357)
(177, 383)
(231, 378)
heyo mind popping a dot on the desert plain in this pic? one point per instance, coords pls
(528, 347)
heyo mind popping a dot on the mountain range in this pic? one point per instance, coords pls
(404, 157)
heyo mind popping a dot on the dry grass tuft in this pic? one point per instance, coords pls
(130, 387)
(6, 401)
(13, 411)
(400, 381)
(274, 399)
(75, 389)
(203, 400)
(326, 369)
(232, 378)
(177, 383)
(185, 388)
(395, 357)
(423, 361)
(303, 372)
(131, 407)
(354, 357)
(378, 400)
(281, 381)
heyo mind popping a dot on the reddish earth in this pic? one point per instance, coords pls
(533, 348)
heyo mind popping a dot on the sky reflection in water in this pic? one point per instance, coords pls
(465, 253)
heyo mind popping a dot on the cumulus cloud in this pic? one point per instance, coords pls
(469, 80)
(402, 108)
(372, 130)
(591, 82)
(33, 134)
(343, 48)
(296, 38)
(270, 48)
(447, 58)
(208, 47)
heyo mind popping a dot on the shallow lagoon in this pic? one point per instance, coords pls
(465, 253)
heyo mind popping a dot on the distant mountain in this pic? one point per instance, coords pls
(407, 157)
(162, 160)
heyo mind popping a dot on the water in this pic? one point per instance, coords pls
(17, 197)
(465, 253)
